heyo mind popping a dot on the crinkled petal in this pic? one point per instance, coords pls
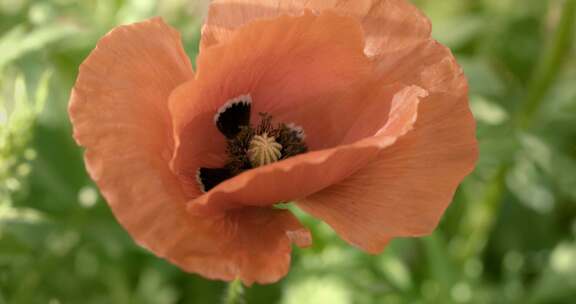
(119, 111)
(198, 143)
(429, 65)
(252, 244)
(305, 174)
(284, 64)
(406, 190)
(389, 25)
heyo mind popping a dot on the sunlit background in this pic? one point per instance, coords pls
(509, 236)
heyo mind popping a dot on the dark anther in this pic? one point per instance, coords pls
(233, 120)
(289, 137)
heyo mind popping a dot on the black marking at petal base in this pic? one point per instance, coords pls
(233, 115)
(209, 178)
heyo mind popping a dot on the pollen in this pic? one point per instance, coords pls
(264, 150)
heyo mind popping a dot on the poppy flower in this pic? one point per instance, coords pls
(347, 108)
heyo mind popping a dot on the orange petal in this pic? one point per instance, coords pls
(302, 175)
(252, 244)
(389, 25)
(406, 190)
(120, 115)
(429, 65)
(308, 67)
(198, 143)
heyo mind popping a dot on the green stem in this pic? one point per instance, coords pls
(544, 76)
(483, 210)
(550, 65)
(234, 293)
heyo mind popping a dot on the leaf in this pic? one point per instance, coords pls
(455, 32)
(42, 91)
(134, 11)
(558, 282)
(17, 42)
(482, 77)
(396, 272)
(558, 167)
(321, 289)
(488, 111)
(440, 267)
(153, 290)
(563, 172)
(528, 185)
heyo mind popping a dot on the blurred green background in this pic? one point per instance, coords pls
(509, 236)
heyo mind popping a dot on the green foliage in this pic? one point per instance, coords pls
(509, 236)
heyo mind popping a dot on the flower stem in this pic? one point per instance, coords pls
(550, 64)
(543, 79)
(234, 293)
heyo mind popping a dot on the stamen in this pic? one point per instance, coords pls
(250, 146)
(264, 150)
(298, 130)
(291, 138)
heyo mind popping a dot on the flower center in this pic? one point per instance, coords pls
(250, 147)
(264, 144)
(264, 150)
